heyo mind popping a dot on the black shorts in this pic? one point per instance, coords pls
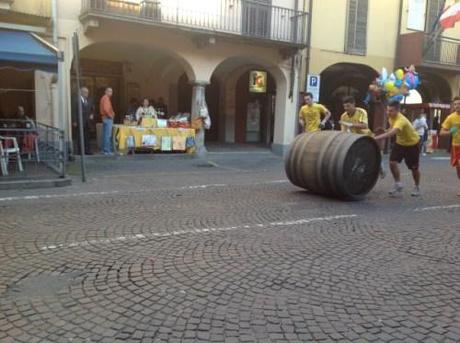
(410, 155)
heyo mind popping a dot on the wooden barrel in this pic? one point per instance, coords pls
(334, 164)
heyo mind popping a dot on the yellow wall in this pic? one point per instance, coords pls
(329, 30)
(36, 7)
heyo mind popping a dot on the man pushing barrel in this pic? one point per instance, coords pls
(407, 148)
(355, 120)
(310, 115)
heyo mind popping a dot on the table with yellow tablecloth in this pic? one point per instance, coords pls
(121, 133)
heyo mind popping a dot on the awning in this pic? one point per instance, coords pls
(20, 49)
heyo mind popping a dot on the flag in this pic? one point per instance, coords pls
(450, 16)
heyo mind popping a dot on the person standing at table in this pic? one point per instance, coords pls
(87, 111)
(310, 115)
(107, 115)
(145, 111)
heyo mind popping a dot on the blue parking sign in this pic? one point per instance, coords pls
(313, 85)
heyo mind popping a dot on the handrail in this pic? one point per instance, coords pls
(240, 17)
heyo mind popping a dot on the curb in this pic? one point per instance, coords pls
(35, 184)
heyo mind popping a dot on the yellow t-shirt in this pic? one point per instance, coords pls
(407, 136)
(359, 117)
(453, 120)
(311, 116)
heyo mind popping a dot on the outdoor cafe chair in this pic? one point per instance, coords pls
(6, 151)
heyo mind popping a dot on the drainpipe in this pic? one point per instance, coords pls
(398, 38)
(294, 56)
(63, 124)
(310, 24)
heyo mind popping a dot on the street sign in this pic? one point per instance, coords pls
(313, 85)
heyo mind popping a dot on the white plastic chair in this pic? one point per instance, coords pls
(5, 153)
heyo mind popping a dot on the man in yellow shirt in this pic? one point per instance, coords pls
(407, 147)
(354, 119)
(310, 115)
(451, 127)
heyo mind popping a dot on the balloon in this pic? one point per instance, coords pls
(398, 83)
(398, 98)
(389, 86)
(399, 74)
(410, 80)
(392, 77)
(417, 81)
(384, 75)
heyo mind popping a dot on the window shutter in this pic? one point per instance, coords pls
(357, 27)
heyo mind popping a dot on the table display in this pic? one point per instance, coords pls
(163, 139)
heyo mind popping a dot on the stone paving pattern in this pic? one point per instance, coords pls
(160, 257)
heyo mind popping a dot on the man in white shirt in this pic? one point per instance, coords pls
(421, 127)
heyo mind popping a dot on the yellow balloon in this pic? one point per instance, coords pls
(399, 74)
(389, 86)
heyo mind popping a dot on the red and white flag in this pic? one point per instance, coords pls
(450, 16)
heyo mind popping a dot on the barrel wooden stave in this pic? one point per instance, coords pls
(316, 162)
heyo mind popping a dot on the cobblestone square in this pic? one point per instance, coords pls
(226, 250)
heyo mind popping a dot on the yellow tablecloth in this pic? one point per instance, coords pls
(122, 132)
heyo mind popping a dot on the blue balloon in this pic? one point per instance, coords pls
(417, 81)
(397, 97)
(398, 83)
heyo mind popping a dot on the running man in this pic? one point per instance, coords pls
(355, 120)
(407, 148)
(451, 127)
(310, 115)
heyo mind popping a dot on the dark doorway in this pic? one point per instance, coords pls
(245, 100)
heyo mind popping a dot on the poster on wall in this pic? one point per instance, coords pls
(258, 81)
(416, 15)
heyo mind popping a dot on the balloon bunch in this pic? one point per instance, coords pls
(394, 87)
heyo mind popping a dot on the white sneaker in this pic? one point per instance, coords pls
(416, 192)
(397, 190)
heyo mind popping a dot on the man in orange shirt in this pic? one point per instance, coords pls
(107, 115)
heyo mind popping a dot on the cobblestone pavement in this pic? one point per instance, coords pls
(227, 251)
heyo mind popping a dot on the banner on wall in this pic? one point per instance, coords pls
(258, 81)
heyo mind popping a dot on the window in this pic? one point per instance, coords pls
(356, 36)
(435, 7)
(257, 18)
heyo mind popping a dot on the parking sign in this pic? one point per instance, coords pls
(313, 85)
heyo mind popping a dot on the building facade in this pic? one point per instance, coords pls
(185, 52)
(188, 51)
(353, 40)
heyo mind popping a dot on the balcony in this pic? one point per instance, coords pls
(420, 49)
(243, 18)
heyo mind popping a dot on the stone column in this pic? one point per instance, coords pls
(198, 102)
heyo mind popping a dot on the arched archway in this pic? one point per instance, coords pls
(134, 72)
(434, 88)
(343, 79)
(245, 114)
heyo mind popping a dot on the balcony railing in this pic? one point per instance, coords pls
(245, 18)
(445, 51)
(419, 48)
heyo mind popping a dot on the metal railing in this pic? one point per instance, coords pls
(239, 17)
(38, 143)
(442, 50)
